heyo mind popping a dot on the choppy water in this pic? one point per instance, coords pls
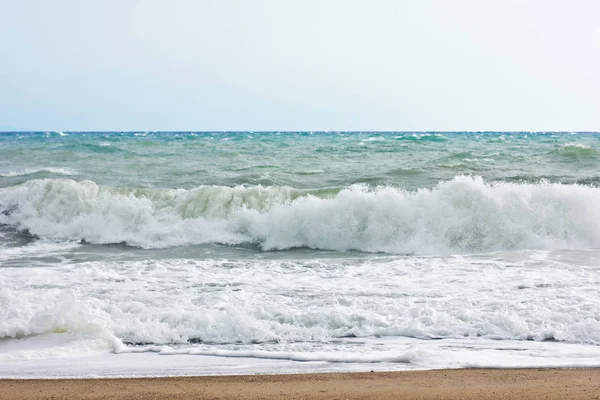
(281, 252)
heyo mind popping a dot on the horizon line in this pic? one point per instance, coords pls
(298, 131)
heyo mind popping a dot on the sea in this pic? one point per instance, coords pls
(211, 253)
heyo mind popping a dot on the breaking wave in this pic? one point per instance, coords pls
(464, 214)
(576, 150)
(30, 171)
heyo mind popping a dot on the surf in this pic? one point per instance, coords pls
(463, 215)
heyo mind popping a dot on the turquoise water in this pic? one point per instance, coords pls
(300, 160)
(399, 193)
(329, 250)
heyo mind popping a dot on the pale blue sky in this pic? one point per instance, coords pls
(299, 65)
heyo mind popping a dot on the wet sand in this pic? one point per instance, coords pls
(465, 384)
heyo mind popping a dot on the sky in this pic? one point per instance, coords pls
(300, 65)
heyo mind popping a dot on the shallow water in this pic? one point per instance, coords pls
(281, 252)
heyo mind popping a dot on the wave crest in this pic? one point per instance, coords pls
(576, 150)
(30, 171)
(462, 215)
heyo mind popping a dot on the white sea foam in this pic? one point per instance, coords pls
(461, 215)
(334, 357)
(493, 310)
(30, 171)
(310, 172)
(474, 353)
(223, 302)
(36, 249)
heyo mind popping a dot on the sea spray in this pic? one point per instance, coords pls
(462, 215)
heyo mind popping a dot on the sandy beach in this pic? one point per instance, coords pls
(440, 384)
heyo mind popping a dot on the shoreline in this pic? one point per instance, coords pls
(527, 383)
